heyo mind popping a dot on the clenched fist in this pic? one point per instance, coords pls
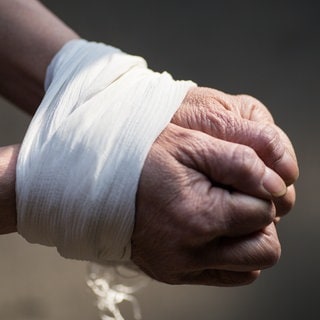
(210, 191)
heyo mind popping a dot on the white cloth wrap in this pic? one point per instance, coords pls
(81, 159)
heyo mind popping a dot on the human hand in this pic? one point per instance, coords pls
(245, 120)
(188, 228)
(8, 159)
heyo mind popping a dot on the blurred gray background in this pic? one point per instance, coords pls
(269, 49)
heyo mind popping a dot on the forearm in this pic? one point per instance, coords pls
(8, 159)
(30, 36)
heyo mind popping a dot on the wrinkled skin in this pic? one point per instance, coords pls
(206, 200)
(213, 184)
(245, 120)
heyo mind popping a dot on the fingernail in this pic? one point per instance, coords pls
(288, 168)
(274, 184)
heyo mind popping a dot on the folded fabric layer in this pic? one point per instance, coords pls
(81, 159)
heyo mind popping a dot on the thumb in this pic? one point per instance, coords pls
(226, 164)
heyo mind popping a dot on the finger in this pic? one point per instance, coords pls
(285, 204)
(228, 214)
(257, 251)
(224, 163)
(240, 119)
(221, 278)
(254, 110)
(271, 144)
(287, 166)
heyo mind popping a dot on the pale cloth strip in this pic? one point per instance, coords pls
(81, 159)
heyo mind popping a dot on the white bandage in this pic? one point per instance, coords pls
(81, 159)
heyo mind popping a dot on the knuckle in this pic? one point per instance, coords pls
(271, 252)
(251, 102)
(255, 108)
(263, 253)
